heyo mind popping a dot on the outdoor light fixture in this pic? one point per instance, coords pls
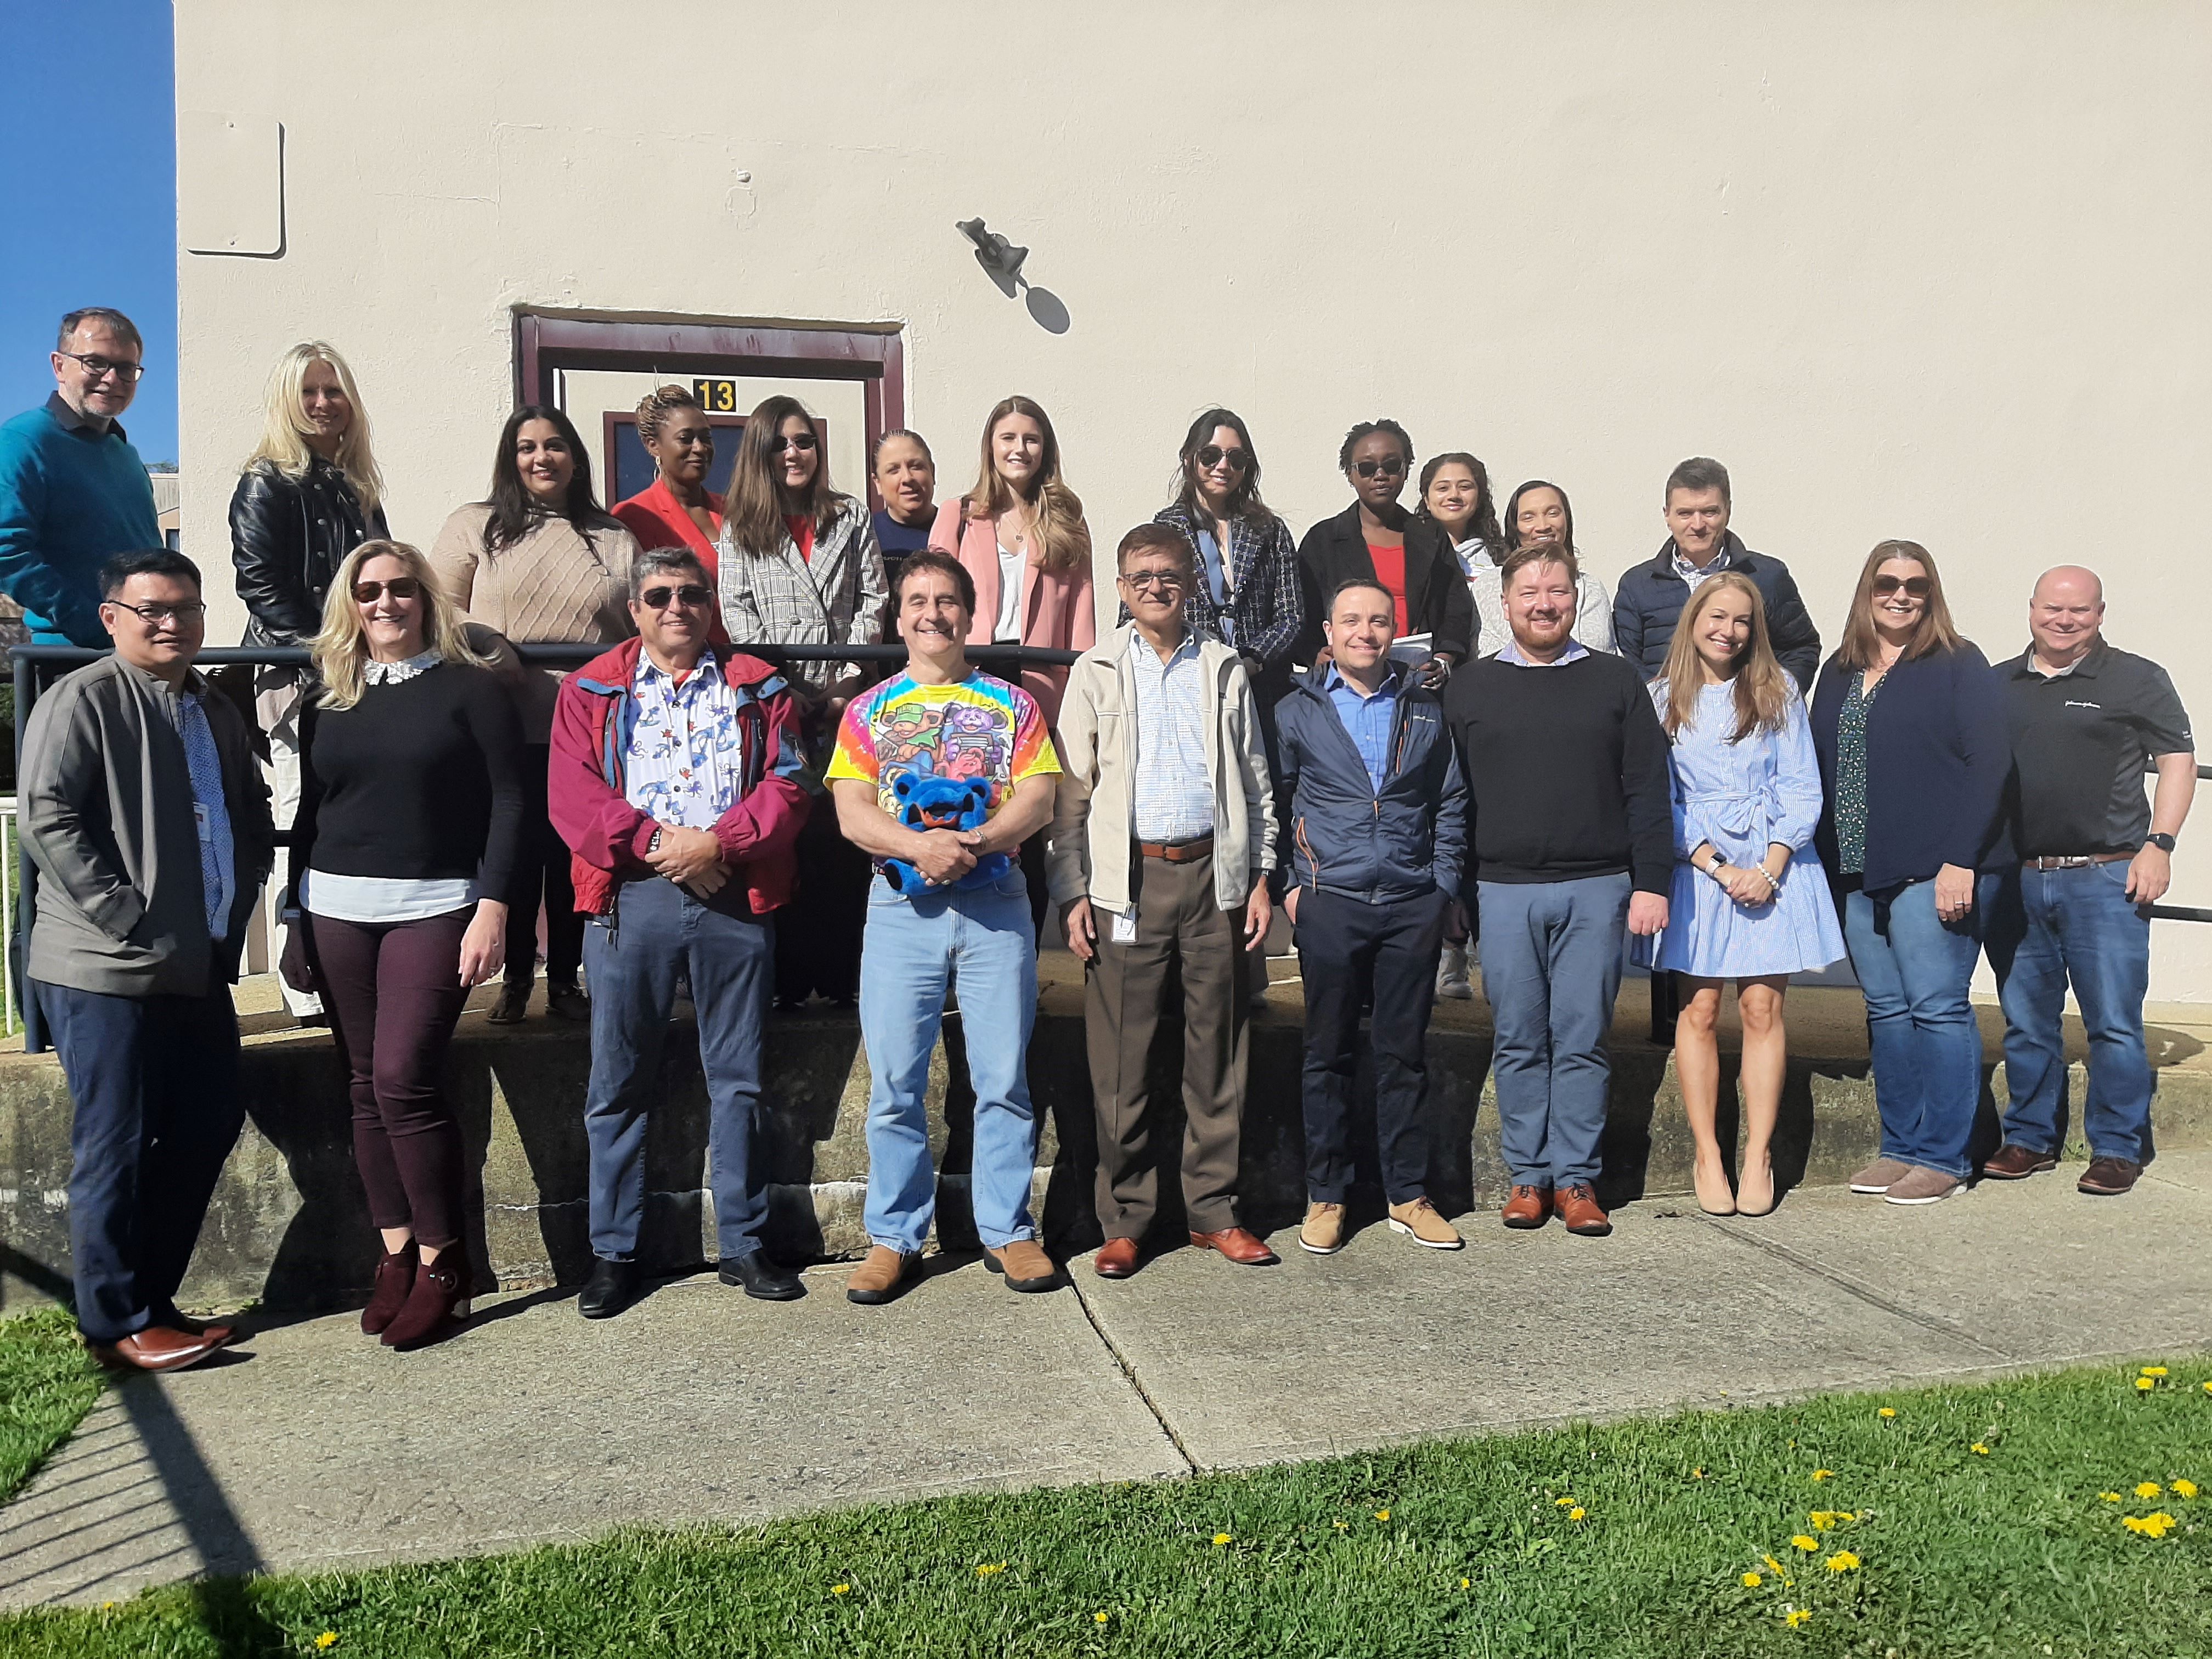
(993, 251)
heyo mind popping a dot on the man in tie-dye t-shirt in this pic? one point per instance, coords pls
(943, 717)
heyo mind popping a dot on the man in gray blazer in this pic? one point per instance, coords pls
(144, 811)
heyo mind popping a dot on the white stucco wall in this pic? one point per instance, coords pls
(1934, 271)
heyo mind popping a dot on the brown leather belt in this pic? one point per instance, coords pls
(1176, 852)
(2082, 862)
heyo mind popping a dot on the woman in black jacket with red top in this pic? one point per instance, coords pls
(1375, 540)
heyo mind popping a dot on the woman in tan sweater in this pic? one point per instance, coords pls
(540, 561)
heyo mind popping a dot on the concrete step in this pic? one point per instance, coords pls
(289, 1227)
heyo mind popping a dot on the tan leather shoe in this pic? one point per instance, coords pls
(1118, 1258)
(882, 1277)
(1322, 1231)
(1023, 1264)
(1240, 1244)
(1419, 1222)
(1580, 1209)
(1528, 1207)
(1754, 1187)
(156, 1348)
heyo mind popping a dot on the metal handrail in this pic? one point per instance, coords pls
(35, 664)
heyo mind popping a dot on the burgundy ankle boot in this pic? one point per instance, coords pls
(428, 1317)
(395, 1278)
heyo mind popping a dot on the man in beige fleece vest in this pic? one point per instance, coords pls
(1162, 840)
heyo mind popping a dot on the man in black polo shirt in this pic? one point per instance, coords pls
(2091, 860)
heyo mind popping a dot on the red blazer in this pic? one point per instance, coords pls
(1056, 608)
(607, 837)
(657, 519)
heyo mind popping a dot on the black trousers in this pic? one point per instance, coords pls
(817, 934)
(1347, 948)
(541, 872)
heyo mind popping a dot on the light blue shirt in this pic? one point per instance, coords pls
(210, 812)
(1367, 720)
(1174, 797)
(1511, 651)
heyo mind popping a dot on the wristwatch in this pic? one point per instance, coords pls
(654, 846)
(2164, 843)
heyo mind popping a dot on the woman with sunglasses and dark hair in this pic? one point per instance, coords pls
(1376, 539)
(1247, 594)
(1909, 724)
(1539, 512)
(800, 566)
(539, 561)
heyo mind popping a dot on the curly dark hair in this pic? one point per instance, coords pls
(1366, 428)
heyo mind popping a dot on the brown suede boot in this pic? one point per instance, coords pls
(427, 1315)
(1023, 1264)
(881, 1277)
(395, 1278)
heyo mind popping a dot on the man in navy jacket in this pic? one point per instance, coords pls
(1700, 544)
(1377, 820)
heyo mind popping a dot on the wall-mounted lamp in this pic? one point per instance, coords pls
(994, 252)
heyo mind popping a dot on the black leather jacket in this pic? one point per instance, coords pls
(287, 538)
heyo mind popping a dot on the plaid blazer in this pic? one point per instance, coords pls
(1265, 598)
(836, 598)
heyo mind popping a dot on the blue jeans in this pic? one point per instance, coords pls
(983, 944)
(1551, 967)
(1921, 1035)
(2045, 927)
(659, 932)
(154, 1085)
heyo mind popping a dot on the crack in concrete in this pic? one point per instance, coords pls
(1114, 1351)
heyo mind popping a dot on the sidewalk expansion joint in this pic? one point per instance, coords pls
(1190, 1464)
(1851, 1287)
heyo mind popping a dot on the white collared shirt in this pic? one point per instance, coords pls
(686, 751)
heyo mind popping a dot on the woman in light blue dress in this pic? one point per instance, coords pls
(1750, 901)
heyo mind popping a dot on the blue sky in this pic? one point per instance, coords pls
(87, 198)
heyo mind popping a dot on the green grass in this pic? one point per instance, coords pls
(47, 1383)
(2009, 1552)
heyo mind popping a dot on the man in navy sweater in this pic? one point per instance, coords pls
(73, 492)
(1571, 838)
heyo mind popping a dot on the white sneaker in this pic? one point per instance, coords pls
(1451, 974)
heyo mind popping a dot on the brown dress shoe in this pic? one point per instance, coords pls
(2108, 1177)
(1530, 1206)
(1023, 1264)
(156, 1348)
(1118, 1258)
(1579, 1208)
(880, 1278)
(1239, 1245)
(2011, 1163)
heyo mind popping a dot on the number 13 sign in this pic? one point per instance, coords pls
(717, 395)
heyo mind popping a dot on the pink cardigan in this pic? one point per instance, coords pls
(1056, 608)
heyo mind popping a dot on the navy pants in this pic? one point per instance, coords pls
(659, 932)
(154, 1084)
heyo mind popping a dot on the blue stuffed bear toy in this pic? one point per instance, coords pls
(927, 801)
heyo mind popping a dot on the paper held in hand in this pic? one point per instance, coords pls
(1412, 650)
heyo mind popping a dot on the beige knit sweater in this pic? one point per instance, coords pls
(551, 585)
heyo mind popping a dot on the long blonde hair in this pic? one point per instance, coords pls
(341, 647)
(1762, 686)
(284, 443)
(1862, 644)
(1057, 534)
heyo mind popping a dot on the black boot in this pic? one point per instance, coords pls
(762, 1277)
(612, 1287)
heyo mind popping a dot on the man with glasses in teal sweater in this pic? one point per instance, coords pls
(73, 492)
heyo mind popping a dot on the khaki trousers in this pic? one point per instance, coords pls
(1178, 925)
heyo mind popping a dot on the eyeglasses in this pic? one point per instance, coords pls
(690, 596)
(401, 587)
(1167, 582)
(1916, 588)
(799, 441)
(101, 367)
(1214, 455)
(1389, 468)
(156, 614)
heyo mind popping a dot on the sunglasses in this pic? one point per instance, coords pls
(1916, 588)
(1214, 455)
(800, 441)
(1388, 469)
(401, 587)
(690, 596)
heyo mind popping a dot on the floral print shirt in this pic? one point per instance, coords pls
(686, 751)
(1851, 776)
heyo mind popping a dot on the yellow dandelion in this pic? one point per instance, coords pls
(1804, 1543)
(840, 1590)
(1822, 1519)
(1773, 1566)
(1797, 1618)
(1979, 1449)
(1341, 1526)
(1097, 1618)
(2146, 1384)
(2148, 1489)
(1697, 1474)
(990, 1567)
(1752, 1581)
(1576, 1513)
(329, 1638)
(1842, 1561)
(2156, 1525)
(1887, 1411)
(2184, 1488)
(1845, 1516)
(1382, 1514)
(2153, 1370)
(1822, 1474)
(2207, 1387)
(1464, 1582)
(1221, 1538)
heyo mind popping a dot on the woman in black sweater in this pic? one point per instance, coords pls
(409, 817)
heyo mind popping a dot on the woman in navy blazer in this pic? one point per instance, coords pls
(1909, 723)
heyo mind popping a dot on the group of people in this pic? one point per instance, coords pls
(1426, 734)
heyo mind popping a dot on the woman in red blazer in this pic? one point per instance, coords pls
(677, 509)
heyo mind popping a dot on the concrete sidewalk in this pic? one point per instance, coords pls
(311, 1449)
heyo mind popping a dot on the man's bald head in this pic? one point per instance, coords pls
(2064, 614)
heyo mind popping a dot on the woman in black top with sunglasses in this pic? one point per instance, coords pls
(1376, 540)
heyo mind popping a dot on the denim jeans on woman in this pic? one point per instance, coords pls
(1927, 1050)
(2045, 927)
(981, 944)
